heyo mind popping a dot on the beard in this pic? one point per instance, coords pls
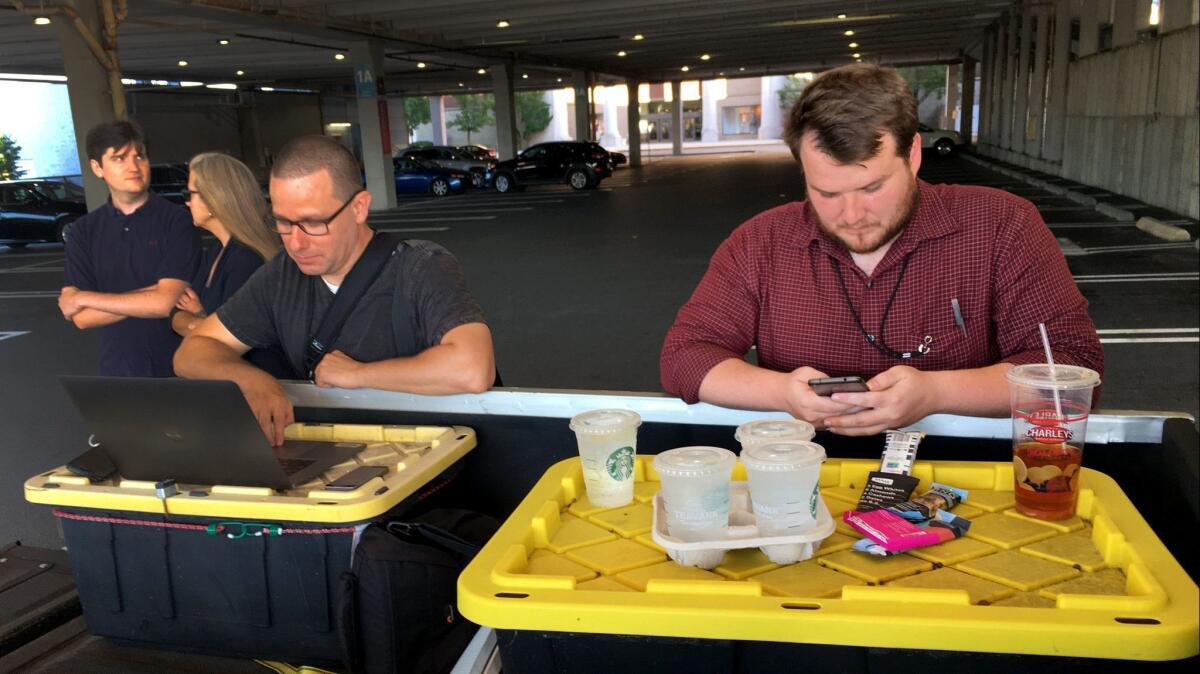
(888, 232)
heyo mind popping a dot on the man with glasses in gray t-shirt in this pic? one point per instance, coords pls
(416, 329)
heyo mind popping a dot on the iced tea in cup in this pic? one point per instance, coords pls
(784, 485)
(773, 430)
(695, 491)
(1050, 407)
(607, 444)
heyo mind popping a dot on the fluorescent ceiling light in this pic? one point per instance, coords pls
(240, 73)
(266, 88)
(853, 45)
(482, 71)
(222, 85)
(704, 57)
(502, 23)
(42, 21)
(622, 53)
(222, 42)
(524, 76)
(182, 63)
(639, 36)
(35, 78)
(848, 33)
(128, 82)
(339, 56)
(339, 125)
(420, 64)
(685, 68)
(187, 83)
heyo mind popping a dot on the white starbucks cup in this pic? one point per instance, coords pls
(784, 482)
(607, 445)
(695, 491)
(773, 430)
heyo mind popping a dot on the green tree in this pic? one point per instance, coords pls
(790, 91)
(925, 81)
(416, 112)
(533, 113)
(10, 154)
(475, 112)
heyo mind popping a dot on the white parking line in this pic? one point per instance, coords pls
(10, 335)
(1139, 278)
(28, 294)
(448, 218)
(1146, 331)
(1148, 340)
(1137, 247)
(29, 270)
(413, 229)
(463, 209)
(1151, 335)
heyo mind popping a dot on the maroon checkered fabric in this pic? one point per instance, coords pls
(772, 283)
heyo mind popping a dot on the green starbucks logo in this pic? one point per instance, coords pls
(812, 501)
(620, 464)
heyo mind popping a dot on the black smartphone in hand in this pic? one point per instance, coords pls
(830, 385)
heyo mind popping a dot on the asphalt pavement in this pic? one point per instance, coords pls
(580, 288)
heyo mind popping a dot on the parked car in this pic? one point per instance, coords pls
(38, 210)
(169, 181)
(453, 158)
(582, 165)
(415, 176)
(618, 159)
(943, 141)
(480, 152)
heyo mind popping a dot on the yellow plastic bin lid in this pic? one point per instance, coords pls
(413, 455)
(1099, 585)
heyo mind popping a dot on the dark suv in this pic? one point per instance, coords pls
(582, 165)
(38, 210)
(169, 181)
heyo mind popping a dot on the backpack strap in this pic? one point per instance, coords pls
(364, 272)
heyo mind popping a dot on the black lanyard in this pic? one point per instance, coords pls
(873, 340)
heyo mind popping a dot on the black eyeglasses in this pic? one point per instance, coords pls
(187, 195)
(312, 227)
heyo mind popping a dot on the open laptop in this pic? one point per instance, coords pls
(197, 432)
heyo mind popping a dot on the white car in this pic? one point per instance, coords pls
(943, 141)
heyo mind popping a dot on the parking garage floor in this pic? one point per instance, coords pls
(580, 288)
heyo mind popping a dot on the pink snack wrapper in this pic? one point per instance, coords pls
(894, 533)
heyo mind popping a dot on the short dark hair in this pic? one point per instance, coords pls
(114, 135)
(306, 155)
(850, 108)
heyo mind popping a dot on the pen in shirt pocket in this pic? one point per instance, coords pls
(958, 317)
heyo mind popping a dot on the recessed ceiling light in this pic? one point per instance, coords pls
(704, 57)
(848, 33)
(524, 76)
(241, 72)
(502, 23)
(339, 56)
(266, 88)
(420, 64)
(853, 45)
(482, 71)
(559, 80)
(841, 16)
(685, 69)
(128, 82)
(858, 60)
(639, 36)
(42, 21)
(622, 53)
(222, 42)
(856, 54)
(182, 63)
(741, 70)
(461, 84)
(721, 74)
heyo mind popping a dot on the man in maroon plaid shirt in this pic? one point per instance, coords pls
(930, 292)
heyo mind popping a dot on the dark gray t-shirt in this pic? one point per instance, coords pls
(280, 305)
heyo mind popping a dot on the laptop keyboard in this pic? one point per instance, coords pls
(293, 466)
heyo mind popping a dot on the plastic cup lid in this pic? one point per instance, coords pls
(783, 456)
(605, 422)
(694, 461)
(1066, 377)
(767, 430)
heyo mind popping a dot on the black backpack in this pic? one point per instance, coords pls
(398, 611)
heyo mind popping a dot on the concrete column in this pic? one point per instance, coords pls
(996, 114)
(612, 130)
(373, 123)
(560, 122)
(1089, 27)
(950, 109)
(251, 136)
(88, 90)
(1125, 22)
(676, 117)
(437, 119)
(770, 124)
(633, 115)
(1020, 116)
(1037, 88)
(505, 110)
(398, 123)
(967, 118)
(582, 81)
(987, 105)
(1010, 73)
(1174, 14)
(1056, 108)
(710, 122)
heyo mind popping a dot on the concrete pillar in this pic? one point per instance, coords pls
(950, 109)
(1125, 22)
(251, 136)
(985, 80)
(560, 122)
(612, 129)
(1020, 116)
(1089, 27)
(1010, 73)
(505, 110)
(437, 119)
(770, 124)
(710, 111)
(582, 81)
(633, 115)
(88, 90)
(398, 124)
(1037, 88)
(1174, 14)
(996, 114)
(676, 117)
(1056, 107)
(373, 123)
(966, 120)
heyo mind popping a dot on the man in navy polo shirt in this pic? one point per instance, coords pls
(129, 260)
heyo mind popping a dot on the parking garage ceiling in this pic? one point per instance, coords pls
(439, 46)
